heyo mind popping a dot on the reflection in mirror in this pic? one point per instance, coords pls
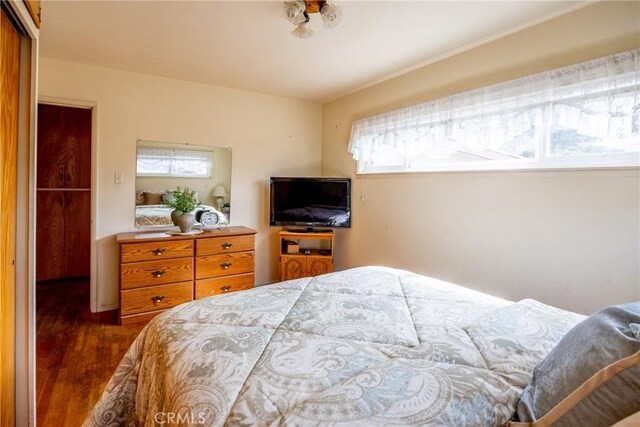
(161, 167)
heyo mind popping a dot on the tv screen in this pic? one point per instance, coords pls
(311, 202)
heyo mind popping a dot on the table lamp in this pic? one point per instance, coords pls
(219, 193)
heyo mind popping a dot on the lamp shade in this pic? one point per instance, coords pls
(331, 15)
(219, 191)
(303, 31)
(293, 11)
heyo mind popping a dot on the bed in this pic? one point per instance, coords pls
(150, 215)
(366, 346)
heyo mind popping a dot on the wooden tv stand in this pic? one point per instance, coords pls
(314, 257)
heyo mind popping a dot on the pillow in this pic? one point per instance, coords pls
(168, 196)
(139, 197)
(594, 371)
(152, 198)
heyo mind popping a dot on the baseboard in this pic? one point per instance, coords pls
(107, 307)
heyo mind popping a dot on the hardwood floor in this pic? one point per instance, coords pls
(76, 351)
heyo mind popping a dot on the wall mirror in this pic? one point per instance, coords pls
(161, 167)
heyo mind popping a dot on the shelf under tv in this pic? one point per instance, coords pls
(313, 256)
(309, 230)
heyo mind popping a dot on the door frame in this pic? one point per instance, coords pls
(25, 315)
(93, 249)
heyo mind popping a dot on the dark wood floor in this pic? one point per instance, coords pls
(76, 352)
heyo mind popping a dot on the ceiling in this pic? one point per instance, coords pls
(247, 44)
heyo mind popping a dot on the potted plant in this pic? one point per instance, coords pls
(183, 202)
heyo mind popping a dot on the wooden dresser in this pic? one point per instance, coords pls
(158, 271)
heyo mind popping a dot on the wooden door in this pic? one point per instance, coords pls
(50, 235)
(292, 268)
(9, 88)
(63, 234)
(63, 230)
(77, 228)
(319, 265)
(64, 147)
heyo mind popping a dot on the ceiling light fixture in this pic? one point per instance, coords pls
(297, 12)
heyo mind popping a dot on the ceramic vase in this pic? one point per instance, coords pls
(186, 222)
(174, 216)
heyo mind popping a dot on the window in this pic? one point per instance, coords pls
(169, 162)
(584, 115)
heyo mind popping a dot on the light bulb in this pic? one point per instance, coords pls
(331, 15)
(293, 11)
(303, 31)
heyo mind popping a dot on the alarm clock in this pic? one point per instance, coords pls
(208, 219)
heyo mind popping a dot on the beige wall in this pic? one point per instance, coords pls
(268, 135)
(567, 238)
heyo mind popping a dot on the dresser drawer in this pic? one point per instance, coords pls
(152, 298)
(224, 265)
(222, 285)
(151, 273)
(223, 245)
(133, 252)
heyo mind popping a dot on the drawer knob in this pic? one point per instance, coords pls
(226, 245)
(158, 273)
(159, 251)
(157, 299)
(225, 265)
(225, 288)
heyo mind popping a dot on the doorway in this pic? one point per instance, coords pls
(63, 241)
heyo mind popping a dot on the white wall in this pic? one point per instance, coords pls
(268, 135)
(567, 238)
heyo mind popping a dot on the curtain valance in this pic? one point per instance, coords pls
(596, 98)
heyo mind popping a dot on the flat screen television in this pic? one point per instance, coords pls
(310, 202)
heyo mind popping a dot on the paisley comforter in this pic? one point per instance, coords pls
(367, 346)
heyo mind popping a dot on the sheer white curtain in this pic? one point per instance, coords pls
(155, 152)
(174, 153)
(193, 154)
(517, 119)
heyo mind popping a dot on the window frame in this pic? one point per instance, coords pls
(408, 135)
(620, 161)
